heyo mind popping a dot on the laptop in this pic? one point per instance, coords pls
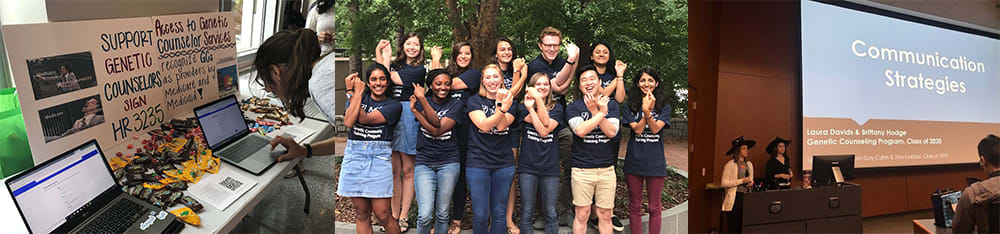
(76, 192)
(228, 136)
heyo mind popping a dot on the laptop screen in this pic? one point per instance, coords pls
(47, 195)
(221, 121)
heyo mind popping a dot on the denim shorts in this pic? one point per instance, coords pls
(405, 136)
(366, 170)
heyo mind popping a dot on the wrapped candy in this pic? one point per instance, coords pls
(187, 215)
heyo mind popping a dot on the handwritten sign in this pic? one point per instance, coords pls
(113, 79)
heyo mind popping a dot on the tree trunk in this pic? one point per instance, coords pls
(484, 35)
(355, 61)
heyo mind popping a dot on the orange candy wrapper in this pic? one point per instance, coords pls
(174, 146)
(117, 163)
(187, 215)
(207, 162)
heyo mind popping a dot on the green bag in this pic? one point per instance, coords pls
(15, 153)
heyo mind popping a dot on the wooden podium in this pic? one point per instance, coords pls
(832, 209)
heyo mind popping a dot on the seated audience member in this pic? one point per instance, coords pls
(973, 207)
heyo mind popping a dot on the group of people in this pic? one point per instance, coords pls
(436, 132)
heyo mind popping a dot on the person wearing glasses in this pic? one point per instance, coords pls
(560, 72)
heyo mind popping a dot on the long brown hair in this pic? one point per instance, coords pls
(549, 101)
(401, 56)
(297, 51)
(453, 68)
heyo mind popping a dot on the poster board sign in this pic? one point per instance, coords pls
(114, 79)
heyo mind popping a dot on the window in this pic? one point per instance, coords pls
(255, 20)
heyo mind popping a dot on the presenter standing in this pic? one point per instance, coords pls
(778, 174)
(737, 176)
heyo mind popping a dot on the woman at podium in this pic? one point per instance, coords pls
(737, 176)
(777, 173)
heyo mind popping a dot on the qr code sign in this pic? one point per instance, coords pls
(231, 183)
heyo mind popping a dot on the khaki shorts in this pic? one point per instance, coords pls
(594, 184)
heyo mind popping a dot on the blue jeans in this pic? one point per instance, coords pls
(488, 191)
(549, 187)
(434, 185)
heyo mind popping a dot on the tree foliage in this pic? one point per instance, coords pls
(642, 33)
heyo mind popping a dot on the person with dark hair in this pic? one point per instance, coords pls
(737, 177)
(538, 167)
(490, 168)
(594, 120)
(286, 63)
(777, 174)
(612, 83)
(405, 70)
(972, 211)
(645, 160)
(513, 69)
(366, 173)
(321, 19)
(437, 166)
(465, 83)
(293, 16)
(513, 80)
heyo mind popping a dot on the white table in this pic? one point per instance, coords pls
(212, 220)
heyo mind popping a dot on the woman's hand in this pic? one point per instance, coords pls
(504, 99)
(413, 104)
(436, 53)
(620, 68)
(294, 149)
(529, 103)
(419, 91)
(519, 65)
(647, 103)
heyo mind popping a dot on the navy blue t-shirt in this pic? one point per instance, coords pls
(390, 110)
(606, 79)
(595, 150)
(540, 65)
(539, 154)
(441, 149)
(644, 155)
(508, 78)
(409, 74)
(491, 149)
(471, 78)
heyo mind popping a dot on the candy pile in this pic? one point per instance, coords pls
(271, 117)
(161, 167)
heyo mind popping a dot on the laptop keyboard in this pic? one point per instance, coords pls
(116, 219)
(243, 149)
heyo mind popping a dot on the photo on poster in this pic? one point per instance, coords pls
(55, 75)
(227, 79)
(71, 117)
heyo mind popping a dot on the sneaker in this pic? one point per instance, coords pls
(616, 224)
